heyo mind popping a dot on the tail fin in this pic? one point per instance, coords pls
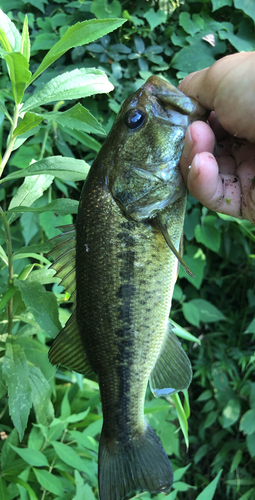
(138, 465)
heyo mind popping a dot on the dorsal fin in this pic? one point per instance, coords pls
(172, 371)
(64, 255)
(68, 349)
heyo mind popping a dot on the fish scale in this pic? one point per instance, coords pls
(128, 234)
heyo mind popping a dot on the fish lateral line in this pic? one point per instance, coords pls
(156, 223)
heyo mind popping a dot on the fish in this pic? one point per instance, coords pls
(119, 263)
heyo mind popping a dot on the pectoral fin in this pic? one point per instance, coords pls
(64, 255)
(172, 372)
(164, 232)
(68, 348)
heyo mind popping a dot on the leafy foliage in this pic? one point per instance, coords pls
(54, 53)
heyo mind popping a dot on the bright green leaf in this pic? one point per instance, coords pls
(78, 34)
(41, 394)
(11, 32)
(247, 423)
(15, 373)
(49, 482)
(59, 206)
(83, 491)
(181, 417)
(32, 457)
(42, 304)
(70, 85)
(208, 492)
(25, 42)
(207, 311)
(32, 188)
(78, 118)
(155, 18)
(29, 121)
(184, 334)
(68, 169)
(191, 313)
(19, 74)
(70, 457)
(187, 24)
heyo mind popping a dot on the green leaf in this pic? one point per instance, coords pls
(19, 74)
(7, 453)
(24, 484)
(181, 417)
(50, 222)
(243, 40)
(3, 490)
(103, 9)
(208, 312)
(11, 33)
(187, 24)
(250, 441)
(70, 85)
(247, 6)
(199, 55)
(32, 457)
(207, 233)
(29, 121)
(25, 42)
(196, 262)
(79, 34)
(4, 41)
(231, 413)
(43, 305)
(49, 482)
(59, 206)
(78, 118)
(3, 256)
(155, 18)
(32, 188)
(247, 423)
(184, 334)
(218, 4)
(208, 492)
(41, 393)
(83, 491)
(191, 313)
(70, 457)
(68, 169)
(251, 327)
(15, 373)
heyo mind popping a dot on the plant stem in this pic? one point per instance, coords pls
(10, 266)
(8, 151)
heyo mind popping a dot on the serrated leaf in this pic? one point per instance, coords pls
(79, 34)
(32, 188)
(59, 206)
(49, 482)
(32, 457)
(25, 42)
(41, 393)
(19, 74)
(11, 32)
(70, 85)
(29, 121)
(15, 373)
(68, 169)
(43, 305)
(78, 118)
(208, 492)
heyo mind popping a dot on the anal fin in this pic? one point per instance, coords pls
(68, 348)
(172, 371)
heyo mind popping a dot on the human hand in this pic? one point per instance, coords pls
(223, 177)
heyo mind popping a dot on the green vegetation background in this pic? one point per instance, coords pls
(50, 418)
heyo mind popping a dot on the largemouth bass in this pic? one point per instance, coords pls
(127, 237)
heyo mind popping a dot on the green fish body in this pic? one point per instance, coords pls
(128, 234)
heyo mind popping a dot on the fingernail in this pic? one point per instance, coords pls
(188, 144)
(193, 170)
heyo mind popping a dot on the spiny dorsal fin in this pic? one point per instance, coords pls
(64, 255)
(68, 349)
(165, 233)
(172, 371)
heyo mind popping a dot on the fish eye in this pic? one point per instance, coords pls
(135, 118)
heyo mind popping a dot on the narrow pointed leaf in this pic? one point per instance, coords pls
(71, 85)
(15, 373)
(25, 42)
(41, 393)
(4, 41)
(19, 74)
(11, 32)
(32, 188)
(68, 169)
(181, 417)
(208, 492)
(49, 482)
(78, 118)
(59, 206)
(29, 121)
(79, 34)
(32, 457)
